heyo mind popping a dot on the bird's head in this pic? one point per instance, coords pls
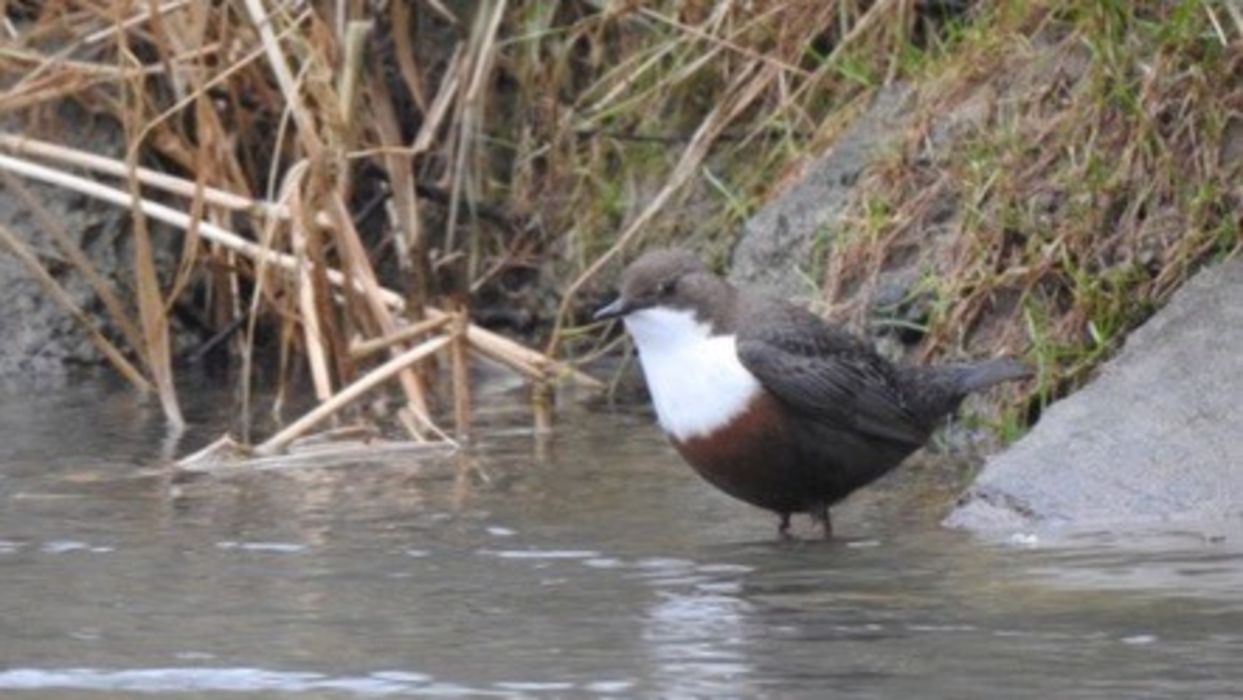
(668, 298)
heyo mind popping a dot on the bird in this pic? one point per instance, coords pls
(770, 403)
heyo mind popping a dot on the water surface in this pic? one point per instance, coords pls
(591, 564)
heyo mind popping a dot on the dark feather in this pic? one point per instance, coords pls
(825, 373)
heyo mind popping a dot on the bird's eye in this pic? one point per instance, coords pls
(666, 288)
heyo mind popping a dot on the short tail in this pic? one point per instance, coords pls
(936, 391)
(979, 376)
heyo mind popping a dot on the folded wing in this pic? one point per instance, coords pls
(827, 374)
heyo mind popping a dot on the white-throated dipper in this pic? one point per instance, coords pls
(770, 403)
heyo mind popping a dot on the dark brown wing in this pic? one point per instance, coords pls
(826, 373)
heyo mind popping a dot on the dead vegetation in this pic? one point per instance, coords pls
(495, 135)
(357, 179)
(255, 112)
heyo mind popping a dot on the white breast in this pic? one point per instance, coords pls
(696, 381)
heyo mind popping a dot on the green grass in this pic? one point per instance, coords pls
(1090, 191)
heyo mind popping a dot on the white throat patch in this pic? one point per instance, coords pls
(696, 380)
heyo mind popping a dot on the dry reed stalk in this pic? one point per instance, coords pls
(152, 309)
(403, 210)
(60, 296)
(350, 77)
(153, 209)
(190, 245)
(349, 81)
(327, 450)
(152, 10)
(317, 356)
(399, 17)
(84, 69)
(542, 408)
(363, 348)
(267, 240)
(352, 392)
(445, 97)
(25, 97)
(169, 183)
(482, 57)
(460, 373)
(355, 259)
(44, 84)
(462, 482)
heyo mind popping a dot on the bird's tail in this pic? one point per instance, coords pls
(937, 391)
(978, 376)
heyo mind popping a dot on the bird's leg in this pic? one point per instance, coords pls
(783, 529)
(821, 515)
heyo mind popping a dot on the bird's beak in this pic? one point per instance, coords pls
(619, 307)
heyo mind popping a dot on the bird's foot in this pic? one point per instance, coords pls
(822, 516)
(783, 529)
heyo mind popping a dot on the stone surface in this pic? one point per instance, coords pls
(37, 335)
(777, 244)
(1154, 440)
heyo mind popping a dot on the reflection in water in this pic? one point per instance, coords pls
(600, 566)
(696, 636)
(173, 680)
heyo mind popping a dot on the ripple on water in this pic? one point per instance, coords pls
(66, 546)
(540, 554)
(266, 547)
(534, 686)
(724, 569)
(251, 680)
(170, 680)
(664, 564)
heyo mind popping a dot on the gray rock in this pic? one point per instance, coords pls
(779, 241)
(1155, 439)
(37, 335)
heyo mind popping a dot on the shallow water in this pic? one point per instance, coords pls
(594, 564)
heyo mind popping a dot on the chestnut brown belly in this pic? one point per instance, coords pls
(785, 463)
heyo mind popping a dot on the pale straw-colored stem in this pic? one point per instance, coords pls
(370, 346)
(317, 355)
(169, 183)
(142, 16)
(361, 386)
(460, 371)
